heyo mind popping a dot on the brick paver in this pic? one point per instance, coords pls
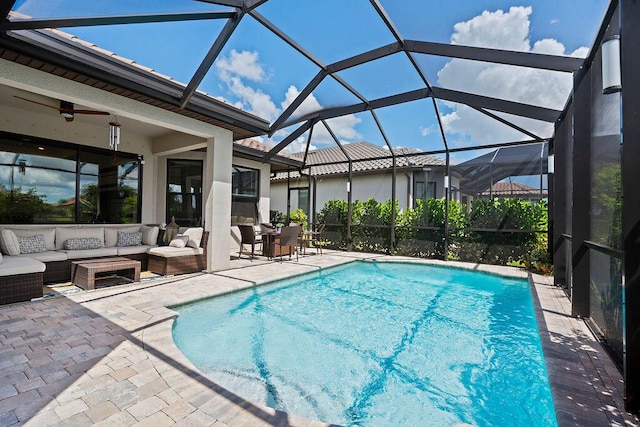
(107, 358)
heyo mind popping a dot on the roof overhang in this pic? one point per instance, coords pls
(49, 52)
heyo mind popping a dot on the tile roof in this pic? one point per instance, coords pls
(513, 189)
(373, 158)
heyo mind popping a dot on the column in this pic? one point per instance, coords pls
(217, 193)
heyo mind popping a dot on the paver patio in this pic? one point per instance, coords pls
(106, 357)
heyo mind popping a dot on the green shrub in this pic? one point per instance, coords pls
(499, 231)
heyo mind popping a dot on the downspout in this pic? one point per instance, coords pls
(288, 195)
(446, 208)
(408, 176)
(350, 210)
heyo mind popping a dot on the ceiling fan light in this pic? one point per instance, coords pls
(66, 114)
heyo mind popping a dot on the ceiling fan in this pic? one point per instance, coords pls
(66, 109)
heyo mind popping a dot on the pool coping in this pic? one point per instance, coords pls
(66, 358)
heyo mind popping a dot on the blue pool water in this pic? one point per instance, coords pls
(378, 344)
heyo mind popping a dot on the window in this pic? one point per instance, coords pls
(44, 181)
(245, 183)
(303, 200)
(424, 192)
(184, 191)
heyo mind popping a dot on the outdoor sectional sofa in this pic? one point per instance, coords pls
(34, 254)
(31, 255)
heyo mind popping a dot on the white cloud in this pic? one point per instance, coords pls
(234, 70)
(505, 30)
(241, 71)
(426, 131)
(243, 64)
(554, 21)
(343, 127)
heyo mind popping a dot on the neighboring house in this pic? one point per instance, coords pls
(418, 176)
(510, 189)
(170, 161)
(484, 176)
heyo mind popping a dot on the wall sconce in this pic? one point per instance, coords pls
(550, 163)
(114, 135)
(611, 80)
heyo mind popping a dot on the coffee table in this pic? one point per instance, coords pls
(83, 273)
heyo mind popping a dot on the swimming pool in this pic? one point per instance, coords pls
(377, 343)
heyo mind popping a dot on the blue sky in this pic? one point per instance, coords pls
(261, 74)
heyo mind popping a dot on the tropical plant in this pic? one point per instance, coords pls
(299, 217)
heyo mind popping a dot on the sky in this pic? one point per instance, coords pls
(261, 74)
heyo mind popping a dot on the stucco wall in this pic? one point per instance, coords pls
(363, 187)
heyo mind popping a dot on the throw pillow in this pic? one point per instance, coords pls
(129, 239)
(180, 241)
(32, 245)
(195, 236)
(82, 243)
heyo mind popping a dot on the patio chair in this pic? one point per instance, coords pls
(248, 237)
(289, 238)
(316, 238)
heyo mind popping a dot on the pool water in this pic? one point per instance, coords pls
(378, 344)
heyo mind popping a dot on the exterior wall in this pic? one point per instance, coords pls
(52, 126)
(363, 187)
(162, 134)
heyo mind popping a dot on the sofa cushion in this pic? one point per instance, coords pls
(195, 236)
(47, 256)
(49, 235)
(169, 252)
(32, 244)
(129, 239)
(111, 233)
(77, 243)
(150, 234)
(65, 233)
(9, 242)
(13, 265)
(92, 253)
(130, 250)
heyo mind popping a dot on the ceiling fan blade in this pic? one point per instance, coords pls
(36, 102)
(95, 112)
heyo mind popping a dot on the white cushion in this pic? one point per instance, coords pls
(47, 256)
(9, 242)
(195, 236)
(92, 253)
(49, 235)
(0, 258)
(128, 250)
(150, 234)
(169, 252)
(64, 233)
(111, 234)
(13, 265)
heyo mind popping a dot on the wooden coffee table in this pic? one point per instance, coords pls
(83, 273)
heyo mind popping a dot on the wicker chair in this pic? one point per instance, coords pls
(180, 264)
(317, 238)
(248, 237)
(289, 238)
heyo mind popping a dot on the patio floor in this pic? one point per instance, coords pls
(106, 357)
